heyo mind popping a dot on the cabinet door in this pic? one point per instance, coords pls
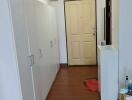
(33, 45)
(21, 39)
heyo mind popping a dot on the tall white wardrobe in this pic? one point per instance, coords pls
(29, 57)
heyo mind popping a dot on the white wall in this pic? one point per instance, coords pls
(115, 23)
(59, 5)
(100, 20)
(125, 40)
(62, 31)
(9, 78)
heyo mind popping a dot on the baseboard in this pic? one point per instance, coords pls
(63, 65)
(63, 60)
(53, 82)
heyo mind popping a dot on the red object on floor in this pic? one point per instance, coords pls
(92, 85)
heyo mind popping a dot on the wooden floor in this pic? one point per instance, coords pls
(69, 84)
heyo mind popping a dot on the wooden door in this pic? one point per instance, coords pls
(81, 32)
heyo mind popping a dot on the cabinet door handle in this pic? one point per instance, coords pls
(31, 60)
(40, 53)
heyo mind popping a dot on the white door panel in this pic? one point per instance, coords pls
(21, 40)
(34, 50)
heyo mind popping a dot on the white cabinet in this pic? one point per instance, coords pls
(27, 27)
(108, 72)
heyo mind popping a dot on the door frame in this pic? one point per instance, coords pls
(66, 29)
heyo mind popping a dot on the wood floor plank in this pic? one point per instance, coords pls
(69, 84)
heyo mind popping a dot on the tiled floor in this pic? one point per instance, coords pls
(69, 84)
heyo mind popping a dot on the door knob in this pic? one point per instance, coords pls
(94, 34)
